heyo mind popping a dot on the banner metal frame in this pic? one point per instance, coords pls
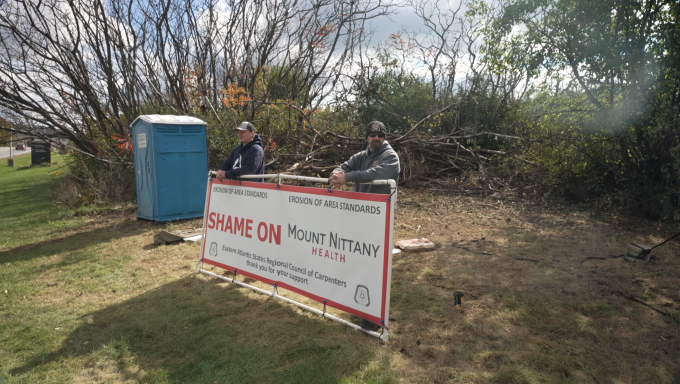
(383, 336)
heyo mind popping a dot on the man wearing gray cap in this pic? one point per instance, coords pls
(247, 158)
(377, 162)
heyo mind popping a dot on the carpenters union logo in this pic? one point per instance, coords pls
(213, 249)
(361, 295)
(375, 127)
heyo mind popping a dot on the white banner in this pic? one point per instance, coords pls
(332, 246)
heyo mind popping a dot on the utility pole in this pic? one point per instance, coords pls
(10, 161)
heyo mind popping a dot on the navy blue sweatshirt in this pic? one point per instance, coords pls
(245, 160)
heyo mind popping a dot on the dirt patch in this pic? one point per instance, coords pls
(547, 296)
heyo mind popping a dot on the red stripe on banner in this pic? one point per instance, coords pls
(388, 248)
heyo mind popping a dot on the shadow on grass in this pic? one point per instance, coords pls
(18, 200)
(194, 330)
(66, 244)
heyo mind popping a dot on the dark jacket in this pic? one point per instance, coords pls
(366, 166)
(245, 160)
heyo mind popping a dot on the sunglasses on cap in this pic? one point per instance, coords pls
(374, 134)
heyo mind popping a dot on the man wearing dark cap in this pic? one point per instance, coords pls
(377, 162)
(247, 158)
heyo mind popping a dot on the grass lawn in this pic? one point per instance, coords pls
(90, 299)
(27, 213)
(86, 297)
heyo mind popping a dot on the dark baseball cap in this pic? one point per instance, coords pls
(375, 127)
(246, 126)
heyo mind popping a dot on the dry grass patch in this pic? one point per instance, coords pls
(543, 296)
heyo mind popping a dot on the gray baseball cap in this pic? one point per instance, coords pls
(246, 126)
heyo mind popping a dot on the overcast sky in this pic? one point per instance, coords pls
(405, 19)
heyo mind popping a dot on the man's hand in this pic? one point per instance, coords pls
(220, 175)
(337, 179)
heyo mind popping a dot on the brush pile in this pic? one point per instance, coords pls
(455, 160)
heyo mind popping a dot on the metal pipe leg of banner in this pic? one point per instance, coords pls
(205, 217)
(382, 337)
(237, 282)
(279, 176)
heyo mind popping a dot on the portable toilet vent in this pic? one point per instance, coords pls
(171, 166)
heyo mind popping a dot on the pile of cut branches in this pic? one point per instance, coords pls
(441, 160)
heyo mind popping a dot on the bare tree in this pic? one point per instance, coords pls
(87, 69)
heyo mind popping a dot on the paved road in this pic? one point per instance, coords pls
(4, 152)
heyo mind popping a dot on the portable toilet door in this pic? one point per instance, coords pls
(171, 166)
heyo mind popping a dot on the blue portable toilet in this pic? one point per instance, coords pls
(171, 166)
